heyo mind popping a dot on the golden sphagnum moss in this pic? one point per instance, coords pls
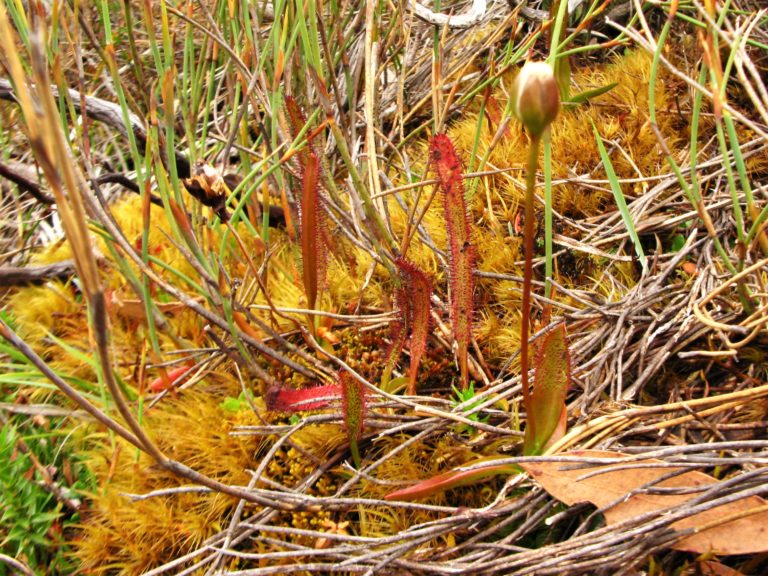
(120, 536)
(133, 537)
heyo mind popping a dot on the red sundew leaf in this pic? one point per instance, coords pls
(312, 214)
(353, 404)
(448, 168)
(399, 334)
(450, 479)
(550, 387)
(412, 303)
(297, 122)
(311, 239)
(289, 400)
(417, 294)
(353, 411)
(166, 381)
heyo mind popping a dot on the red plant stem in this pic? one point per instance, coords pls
(309, 230)
(525, 317)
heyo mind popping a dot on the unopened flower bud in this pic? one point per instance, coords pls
(535, 96)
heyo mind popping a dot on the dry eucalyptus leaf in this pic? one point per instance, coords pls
(745, 535)
(712, 568)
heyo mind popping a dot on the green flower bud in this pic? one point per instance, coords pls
(535, 96)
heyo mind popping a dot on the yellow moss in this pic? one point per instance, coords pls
(132, 537)
(500, 334)
(320, 439)
(621, 115)
(39, 310)
(55, 309)
(55, 252)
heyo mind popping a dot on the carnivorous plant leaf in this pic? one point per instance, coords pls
(353, 402)
(447, 165)
(551, 381)
(451, 479)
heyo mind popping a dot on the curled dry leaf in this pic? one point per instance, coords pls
(209, 187)
(747, 534)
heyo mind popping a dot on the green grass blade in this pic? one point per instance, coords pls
(620, 200)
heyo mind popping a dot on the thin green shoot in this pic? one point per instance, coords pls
(467, 399)
(620, 200)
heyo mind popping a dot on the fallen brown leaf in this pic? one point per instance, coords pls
(132, 309)
(743, 535)
(712, 568)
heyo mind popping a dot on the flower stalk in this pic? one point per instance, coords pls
(535, 102)
(525, 322)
